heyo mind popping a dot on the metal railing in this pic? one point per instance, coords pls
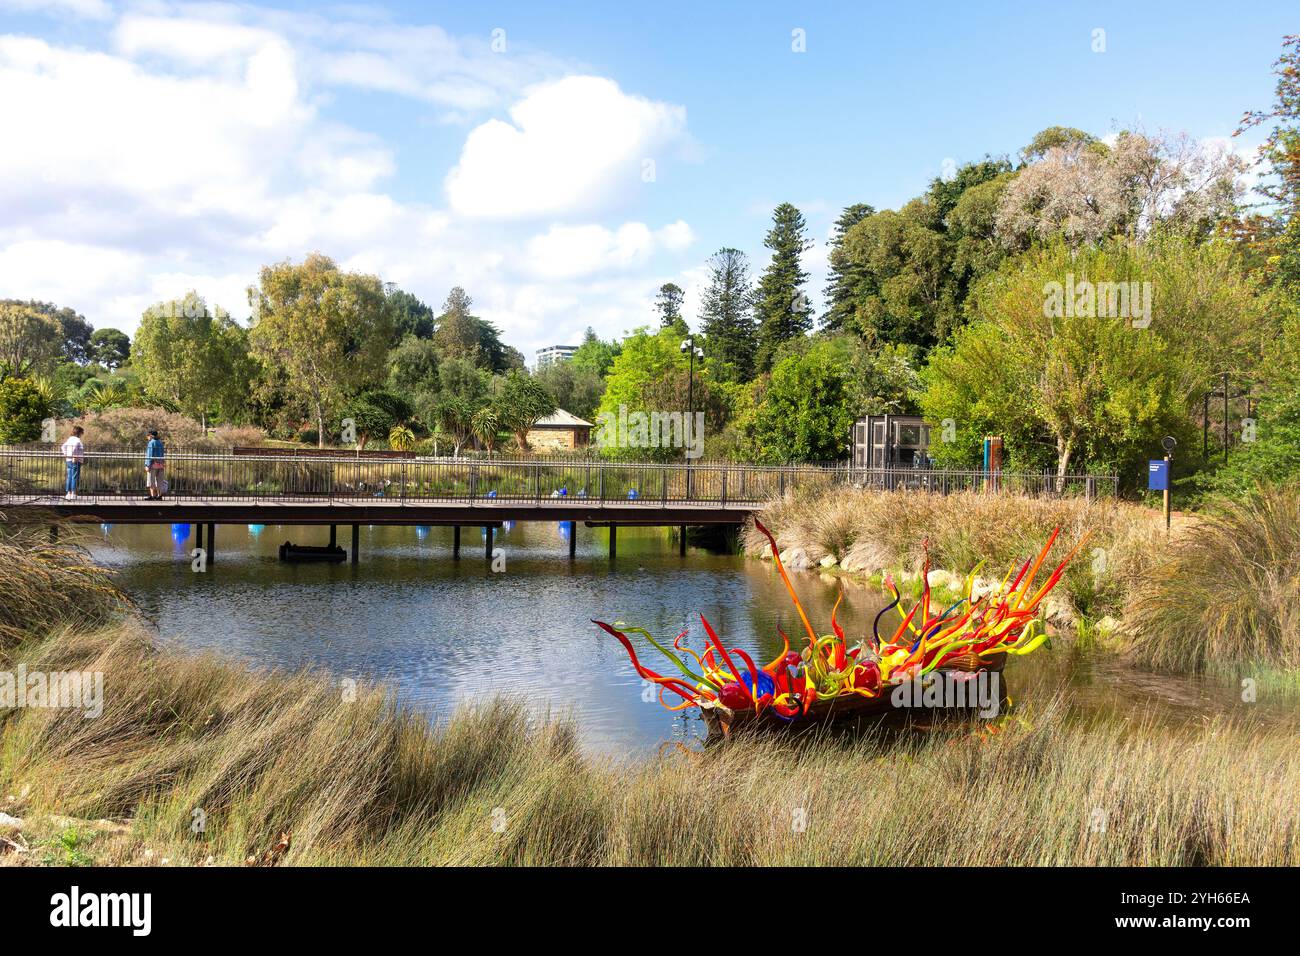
(30, 475)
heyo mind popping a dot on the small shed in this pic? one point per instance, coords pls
(891, 441)
(560, 431)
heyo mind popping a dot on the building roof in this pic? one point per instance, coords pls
(562, 419)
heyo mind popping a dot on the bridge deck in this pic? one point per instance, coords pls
(308, 510)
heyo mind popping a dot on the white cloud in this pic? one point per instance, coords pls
(86, 9)
(570, 251)
(572, 144)
(196, 148)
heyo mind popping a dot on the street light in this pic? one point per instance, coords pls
(1225, 394)
(694, 351)
(690, 348)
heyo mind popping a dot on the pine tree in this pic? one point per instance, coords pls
(845, 275)
(668, 303)
(458, 334)
(782, 306)
(726, 314)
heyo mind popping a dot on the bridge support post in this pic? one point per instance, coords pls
(334, 536)
(356, 542)
(573, 540)
(613, 541)
(212, 542)
(198, 534)
(487, 550)
(455, 543)
(681, 544)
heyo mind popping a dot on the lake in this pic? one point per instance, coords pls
(444, 633)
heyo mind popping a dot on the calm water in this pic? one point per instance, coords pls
(443, 632)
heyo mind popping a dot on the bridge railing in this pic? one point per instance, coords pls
(29, 474)
(38, 474)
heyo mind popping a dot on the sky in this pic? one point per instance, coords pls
(560, 161)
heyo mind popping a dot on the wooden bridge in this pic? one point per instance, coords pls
(353, 489)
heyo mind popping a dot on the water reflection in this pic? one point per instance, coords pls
(444, 633)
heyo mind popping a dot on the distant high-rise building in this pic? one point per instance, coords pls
(555, 353)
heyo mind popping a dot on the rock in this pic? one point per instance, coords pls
(7, 821)
(858, 563)
(1106, 625)
(944, 579)
(828, 561)
(796, 558)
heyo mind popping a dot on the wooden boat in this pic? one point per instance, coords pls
(307, 552)
(723, 721)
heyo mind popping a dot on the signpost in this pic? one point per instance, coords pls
(1158, 474)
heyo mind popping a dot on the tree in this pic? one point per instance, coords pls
(804, 412)
(376, 412)
(325, 332)
(30, 340)
(494, 355)
(1084, 192)
(817, 388)
(845, 274)
(577, 390)
(1277, 232)
(522, 402)
(109, 348)
(75, 331)
(1091, 389)
(486, 426)
(907, 272)
(23, 407)
(451, 415)
(781, 306)
(410, 315)
(649, 378)
(459, 333)
(668, 303)
(193, 356)
(1055, 137)
(594, 354)
(726, 315)
(413, 366)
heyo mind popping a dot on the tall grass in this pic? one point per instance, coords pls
(1228, 594)
(876, 531)
(44, 585)
(364, 782)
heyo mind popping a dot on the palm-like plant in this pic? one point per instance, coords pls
(401, 438)
(487, 427)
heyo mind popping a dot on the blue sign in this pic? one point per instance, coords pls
(1158, 475)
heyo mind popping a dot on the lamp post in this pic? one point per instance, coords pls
(1225, 394)
(690, 348)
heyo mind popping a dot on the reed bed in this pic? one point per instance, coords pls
(288, 769)
(44, 585)
(873, 532)
(1228, 595)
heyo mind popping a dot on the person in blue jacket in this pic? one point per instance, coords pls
(154, 454)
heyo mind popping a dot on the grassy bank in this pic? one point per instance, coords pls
(1221, 593)
(295, 769)
(364, 782)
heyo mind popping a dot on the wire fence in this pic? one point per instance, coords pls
(31, 474)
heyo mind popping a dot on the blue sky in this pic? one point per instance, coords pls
(172, 146)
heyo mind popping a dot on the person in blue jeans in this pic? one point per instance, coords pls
(154, 454)
(74, 452)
